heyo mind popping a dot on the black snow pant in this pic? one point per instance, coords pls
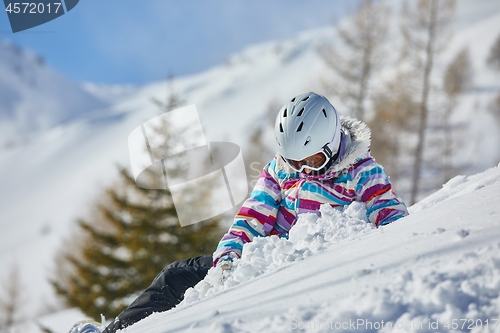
(165, 292)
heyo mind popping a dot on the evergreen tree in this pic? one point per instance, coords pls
(132, 234)
(174, 99)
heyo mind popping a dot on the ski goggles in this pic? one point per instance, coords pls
(314, 162)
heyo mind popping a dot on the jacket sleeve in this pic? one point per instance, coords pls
(257, 215)
(374, 188)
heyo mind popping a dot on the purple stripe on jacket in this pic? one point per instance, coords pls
(254, 202)
(375, 190)
(269, 184)
(252, 213)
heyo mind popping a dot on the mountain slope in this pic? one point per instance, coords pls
(54, 178)
(34, 98)
(435, 266)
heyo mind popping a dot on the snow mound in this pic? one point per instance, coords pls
(461, 296)
(312, 234)
(459, 186)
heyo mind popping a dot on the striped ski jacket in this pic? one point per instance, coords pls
(281, 194)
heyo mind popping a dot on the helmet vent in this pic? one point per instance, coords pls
(281, 128)
(300, 112)
(324, 112)
(284, 114)
(300, 127)
(293, 99)
(305, 98)
(307, 140)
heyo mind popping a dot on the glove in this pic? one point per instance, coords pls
(225, 264)
(226, 261)
(89, 326)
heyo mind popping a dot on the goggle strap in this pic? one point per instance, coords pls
(327, 148)
(327, 151)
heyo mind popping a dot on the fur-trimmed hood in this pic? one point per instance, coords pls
(357, 140)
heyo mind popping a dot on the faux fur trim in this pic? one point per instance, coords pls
(357, 148)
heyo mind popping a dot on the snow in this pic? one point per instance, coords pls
(264, 256)
(438, 267)
(61, 159)
(35, 98)
(60, 321)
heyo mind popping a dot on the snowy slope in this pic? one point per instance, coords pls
(58, 175)
(34, 98)
(51, 180)
(438, 266)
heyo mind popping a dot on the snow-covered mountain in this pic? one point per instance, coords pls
(52, 179)
(35, 98)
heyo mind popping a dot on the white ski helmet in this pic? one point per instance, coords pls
(307, 125)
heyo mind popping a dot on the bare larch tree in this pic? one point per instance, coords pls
(363, 38)
(424, 30)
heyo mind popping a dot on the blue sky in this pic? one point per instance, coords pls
(145, 40)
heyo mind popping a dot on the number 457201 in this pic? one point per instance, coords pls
(32, 8)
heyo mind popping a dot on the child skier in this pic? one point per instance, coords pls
(321, 159)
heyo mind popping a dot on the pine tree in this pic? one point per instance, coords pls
(174, 99)
(131, 235)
